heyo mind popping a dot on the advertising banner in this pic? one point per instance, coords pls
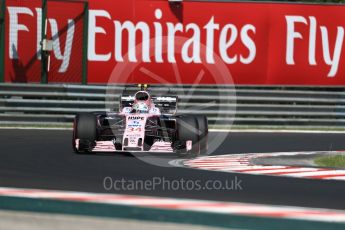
(154, 41)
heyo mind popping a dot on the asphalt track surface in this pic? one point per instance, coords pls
(44, 159)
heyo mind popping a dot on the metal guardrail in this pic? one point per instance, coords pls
(243, 105)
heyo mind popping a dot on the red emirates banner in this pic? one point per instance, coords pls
(154, 41)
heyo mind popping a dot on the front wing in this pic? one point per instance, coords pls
(108, 146)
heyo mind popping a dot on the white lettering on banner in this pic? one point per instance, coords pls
(230, 35)
(172, 29)
(190, 50)
(249, 43)
(39, 34)
(224, 45)
(210, 28)
(333, 61)
(312, 43)
(93, 30)
(291, 35)
(65, 57)
(193, 43)
(158, 37)
(132, 31)
(15, 27)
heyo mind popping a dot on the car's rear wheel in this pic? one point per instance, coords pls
(84, 132)
(187, 129)
(203, 129)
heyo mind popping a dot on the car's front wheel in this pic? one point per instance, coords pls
(84, 132)
(187, 130)
(203, 133)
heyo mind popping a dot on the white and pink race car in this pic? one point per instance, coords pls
(144, 124)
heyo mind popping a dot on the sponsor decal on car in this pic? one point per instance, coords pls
(134, 124)
(136, 118)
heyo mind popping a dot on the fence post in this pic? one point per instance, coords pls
(85, 43)
(44, 73)
(2, 40)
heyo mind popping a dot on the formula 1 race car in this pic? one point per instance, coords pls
(144, 123)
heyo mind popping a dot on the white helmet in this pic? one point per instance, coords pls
(140, 107)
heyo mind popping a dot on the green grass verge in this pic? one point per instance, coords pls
(331, 161)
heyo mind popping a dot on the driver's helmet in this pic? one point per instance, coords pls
(140, 107)
(142, 96)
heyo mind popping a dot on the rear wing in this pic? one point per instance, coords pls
(166, 104)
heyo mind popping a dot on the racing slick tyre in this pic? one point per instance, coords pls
(203, 137)
(85, 129)
(187, 130)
